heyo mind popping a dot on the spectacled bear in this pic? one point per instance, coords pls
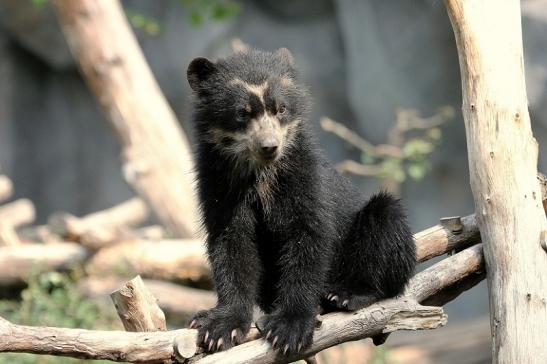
(284, 230)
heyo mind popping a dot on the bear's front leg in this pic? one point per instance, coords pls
(289, 332)
(289, 328)
(221, 328)
(236, 270)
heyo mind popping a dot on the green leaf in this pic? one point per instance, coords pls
(435, 134)
(417, 148)
(417, 171)
(196, 18)
(39, 3)
(367, 158)
(221, 11)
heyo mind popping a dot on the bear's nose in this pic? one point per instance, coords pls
(268, 147)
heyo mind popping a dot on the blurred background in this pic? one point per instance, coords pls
(371, 66)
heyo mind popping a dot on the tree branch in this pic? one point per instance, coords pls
(402, 313)
(100, 228)
(18, 262)
(174, 260)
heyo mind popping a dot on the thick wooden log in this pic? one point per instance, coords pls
(503, 157)
(103, 227)
(121, 346)
(446, 273)
(175, 260)
(438, 240)
(156, 155)
(138, 308)
(18, 262)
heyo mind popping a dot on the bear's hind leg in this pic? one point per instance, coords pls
(345, 300)
(376, 259)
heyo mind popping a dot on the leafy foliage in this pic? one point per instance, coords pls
(52, 299)
(410, 143)
(217, 10)
(140, 21)
(39, 3)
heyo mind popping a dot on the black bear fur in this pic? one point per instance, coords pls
(291, 234)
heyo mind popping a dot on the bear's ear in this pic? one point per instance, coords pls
(285, 55)
(198, 71)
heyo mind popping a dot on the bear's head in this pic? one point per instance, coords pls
(248, 105)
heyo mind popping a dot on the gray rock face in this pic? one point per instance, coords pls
(362, 59)
(35, 28)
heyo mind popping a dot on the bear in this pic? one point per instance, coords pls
(285, 231)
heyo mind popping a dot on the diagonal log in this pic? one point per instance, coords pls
(156, 155)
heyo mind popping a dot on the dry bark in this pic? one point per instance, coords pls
(155, 153)
(439, 239)
(101, 228)
(402, 313)
(20, 261)
(503, 156)
(138, 308)
(175, 260)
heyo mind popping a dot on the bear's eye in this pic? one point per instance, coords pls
(244, 112)
(281, 110)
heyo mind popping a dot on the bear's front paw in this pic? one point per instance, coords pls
(290, 333)
(221, 328)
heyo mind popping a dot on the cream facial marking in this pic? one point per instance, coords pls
(258, 90)
(246, 144)
(286, 81)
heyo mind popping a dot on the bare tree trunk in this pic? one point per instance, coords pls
(503, 164)
(155, 152)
